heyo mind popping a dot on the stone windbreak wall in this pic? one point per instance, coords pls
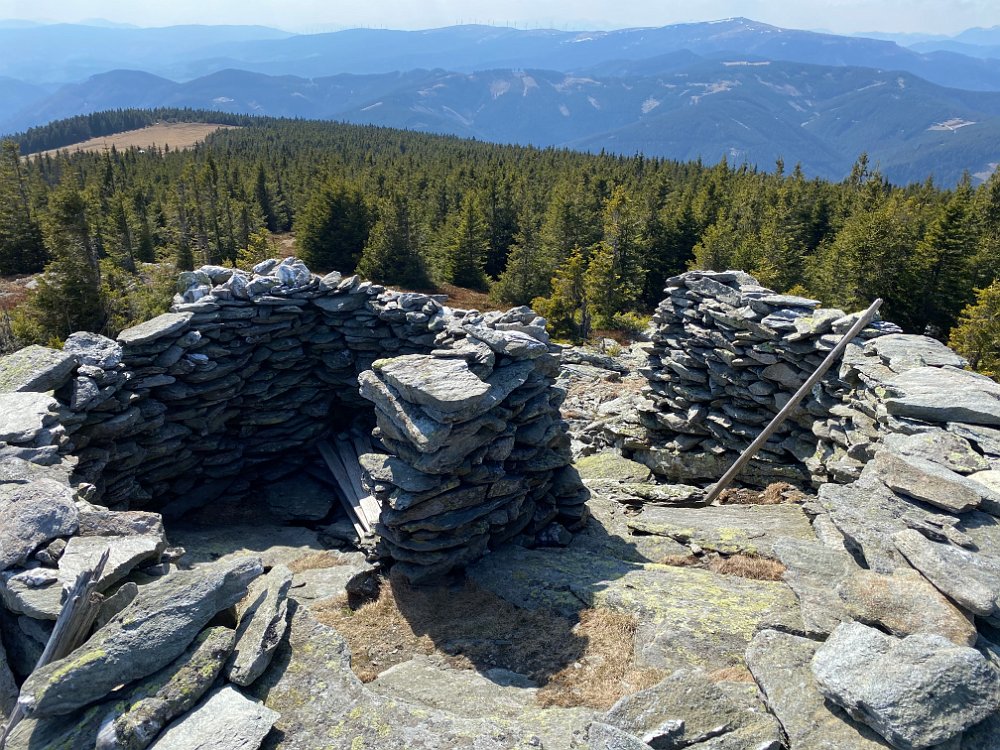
(727, 355)
(232, 388)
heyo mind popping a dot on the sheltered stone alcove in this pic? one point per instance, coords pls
(221, 403)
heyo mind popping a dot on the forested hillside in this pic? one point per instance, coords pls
(588, 239)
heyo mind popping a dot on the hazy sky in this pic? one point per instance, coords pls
(933, 16)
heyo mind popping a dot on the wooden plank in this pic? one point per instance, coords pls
(800, 394)
(346, 495)
(348, 450)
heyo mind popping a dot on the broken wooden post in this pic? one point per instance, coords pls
(793, 402)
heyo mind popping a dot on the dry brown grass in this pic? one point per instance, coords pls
(778, 492)
(731, 674)
(177, 135)
(586, 664)
(318, 560)
(748, 566)
(607, 670)
(681, 561)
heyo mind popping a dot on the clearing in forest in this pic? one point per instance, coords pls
(177, 135)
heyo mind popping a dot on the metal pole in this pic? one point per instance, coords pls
(800, 394)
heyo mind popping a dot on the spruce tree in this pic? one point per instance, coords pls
(469, 244)
(332, 229)
(393, 254)
(977, 335)
(528, 272)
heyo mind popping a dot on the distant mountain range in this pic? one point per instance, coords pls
(738, 88)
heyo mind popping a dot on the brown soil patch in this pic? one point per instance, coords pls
(177, 135)
(590, 663)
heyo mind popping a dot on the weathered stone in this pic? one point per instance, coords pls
(814, 571)
(32, 514)
(972, 581)
(35, 368)
(262, 622)
(612, 466)
(728, 529)
(941, 447)
(601, 736)
(904, 603)
(697, 710)
(225, 720)
(930, 482)
(299, 498)
(93, 349)
(906, 352)
(26, 416)
(448, 385)
(146, 636)
(126, 554)
(944, 394)
(134, 715)
(153, 330)
(916, 692)
(661, 494)
(515, 344)
(780, 663)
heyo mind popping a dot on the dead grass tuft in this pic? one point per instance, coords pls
(731, 674)
(773, 494)
(681, 561)
(748, 566)
(607, 670)
(316, 560)
(589, 664)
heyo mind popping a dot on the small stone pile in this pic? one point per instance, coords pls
(476, 451)
(727, 355)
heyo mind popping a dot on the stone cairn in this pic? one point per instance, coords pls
(224, 396)
(727, 355)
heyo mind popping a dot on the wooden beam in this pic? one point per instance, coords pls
(346, 495)
(800, 394)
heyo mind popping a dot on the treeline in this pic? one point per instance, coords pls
(587, 239)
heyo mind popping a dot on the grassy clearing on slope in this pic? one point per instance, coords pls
(177, 135)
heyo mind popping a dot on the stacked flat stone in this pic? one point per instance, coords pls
(475, 450)
(727, 355)
(849, 436)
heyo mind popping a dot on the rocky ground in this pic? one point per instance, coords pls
(665, 623)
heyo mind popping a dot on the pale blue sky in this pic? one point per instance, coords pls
(842, 16)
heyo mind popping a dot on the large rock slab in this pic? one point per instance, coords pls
(780, 663)
(225, 720)
(26, 417)
(159, 327)
(300, 498)
(32, 514)
(728, 529)
(446, 385)
(93, 349)
(274, 545)
(903, 352)
(125, 554)
(928, 481)
(35, 368)
(694, 709)
(688, 617)
(133, 716)
(970, 580)
(610, 465)
(941, 447)
(905, 603)
(916, 692)
(150, 633)
(324, 705)
(262, 623)
(814, 571)
(944, 394)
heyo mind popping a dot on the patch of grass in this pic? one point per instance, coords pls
(607, 670)
(589, 663)
(748, 566)
(318, 560)
(681, 561)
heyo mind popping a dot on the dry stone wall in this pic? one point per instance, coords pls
(727, 355)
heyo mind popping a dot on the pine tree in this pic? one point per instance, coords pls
(468, 247)
(333, 228)
(528, 271)
(615, 273)
(393, 254)
(567, 309)
(22, 249)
